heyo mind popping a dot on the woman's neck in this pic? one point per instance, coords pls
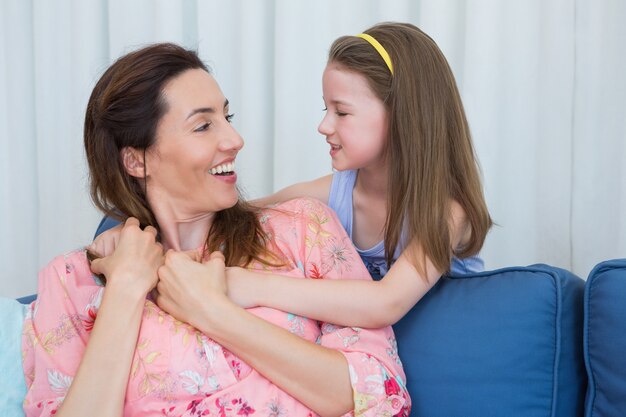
(185, 234)
(181, 231)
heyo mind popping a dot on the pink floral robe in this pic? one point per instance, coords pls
(178, 371)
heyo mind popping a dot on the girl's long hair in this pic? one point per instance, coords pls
(430, 157)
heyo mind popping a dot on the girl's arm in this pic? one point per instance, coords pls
(372, 304)
(318, 189)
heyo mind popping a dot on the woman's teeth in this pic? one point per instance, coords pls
(223, 169)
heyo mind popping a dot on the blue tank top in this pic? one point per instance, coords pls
(340, 200)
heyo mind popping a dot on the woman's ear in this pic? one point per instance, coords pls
(133, 160)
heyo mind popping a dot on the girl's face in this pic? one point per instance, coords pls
(355, 124)
(190, 168)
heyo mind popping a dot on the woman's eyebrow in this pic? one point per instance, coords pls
(205, 110)
(201, 110)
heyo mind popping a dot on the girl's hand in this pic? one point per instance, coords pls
(187, 285)
(242, 286)
(105, 243)
(134, 263)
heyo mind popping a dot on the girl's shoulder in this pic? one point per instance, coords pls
(461, 228)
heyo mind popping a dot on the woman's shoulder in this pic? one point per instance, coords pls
(300, 217)
(68, 262)
(296, 209)
(70, 269)
(67, 299)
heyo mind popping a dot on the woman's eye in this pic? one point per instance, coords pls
(229, 117)
(203, 127)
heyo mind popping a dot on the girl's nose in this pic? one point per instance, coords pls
(325, 127)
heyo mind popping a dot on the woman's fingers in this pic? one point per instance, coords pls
(217, 255)
(151, 230)
(96, 266)
(194, 255)
(131, 221)
(135, 259)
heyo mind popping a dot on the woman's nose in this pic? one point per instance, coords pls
(233, 140)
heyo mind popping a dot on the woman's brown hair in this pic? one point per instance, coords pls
(123, 111)
(431, 159)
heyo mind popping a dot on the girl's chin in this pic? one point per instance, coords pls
(340, 167)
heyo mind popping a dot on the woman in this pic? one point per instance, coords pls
(161, 150)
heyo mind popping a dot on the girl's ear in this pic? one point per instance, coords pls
(133, 161)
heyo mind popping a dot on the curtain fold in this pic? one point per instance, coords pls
(598, 196)
(542, 84)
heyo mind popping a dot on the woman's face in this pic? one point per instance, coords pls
(190, 168)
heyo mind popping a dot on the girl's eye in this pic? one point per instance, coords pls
(229, 117)
(325, 108)
(203, 127)
(341, 114)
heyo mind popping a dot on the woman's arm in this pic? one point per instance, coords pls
(79, 367)
(99, 386)
(317, 376)
(350, 370)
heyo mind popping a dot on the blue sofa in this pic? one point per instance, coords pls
(520, 341)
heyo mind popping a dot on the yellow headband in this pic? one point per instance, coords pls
(383, 53)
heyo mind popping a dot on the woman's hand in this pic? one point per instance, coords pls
(187, 285)
(105, 243)
(133, 264)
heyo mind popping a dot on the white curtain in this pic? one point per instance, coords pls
(542, 82)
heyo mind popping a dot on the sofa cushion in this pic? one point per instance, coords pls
(497, 343)
(12, 383)
(605, 339)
